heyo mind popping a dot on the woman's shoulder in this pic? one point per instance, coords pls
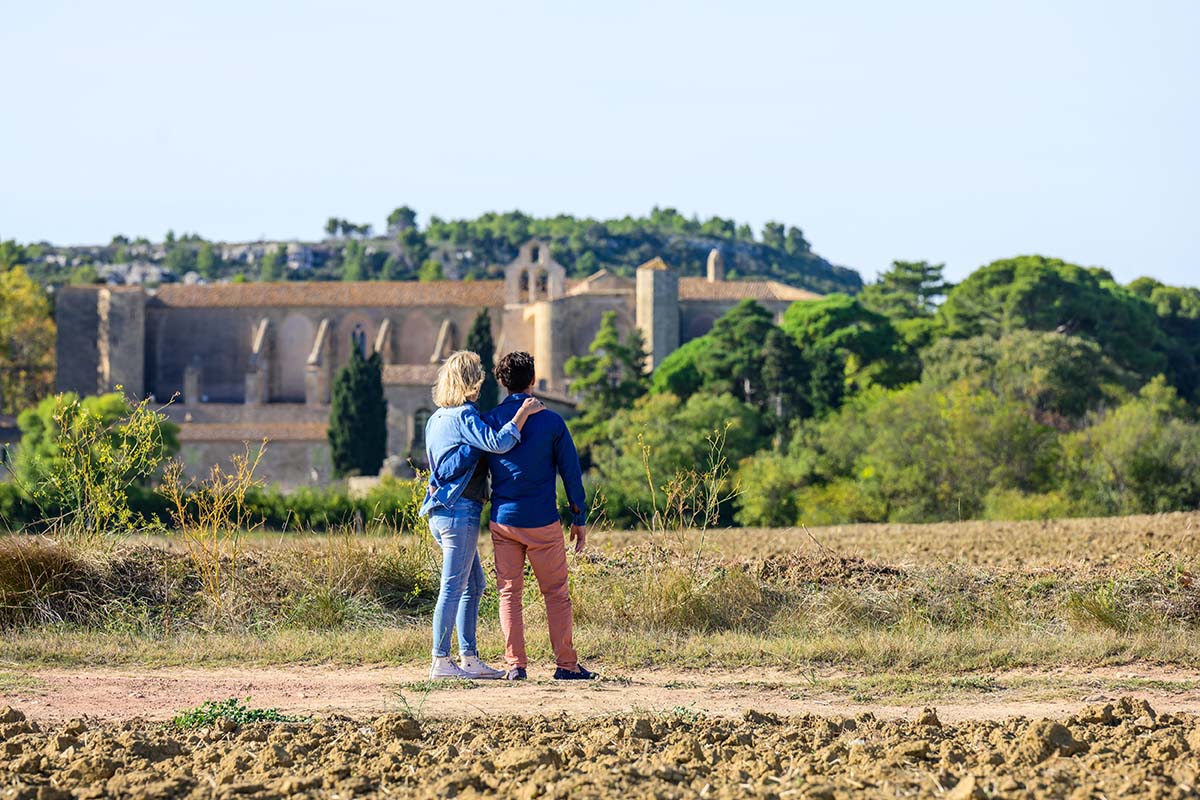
(465, 410)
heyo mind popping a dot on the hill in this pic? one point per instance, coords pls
(461, 248)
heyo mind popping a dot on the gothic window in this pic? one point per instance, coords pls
(420, 417)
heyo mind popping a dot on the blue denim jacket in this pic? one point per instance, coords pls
(448, 432)
(524, 480)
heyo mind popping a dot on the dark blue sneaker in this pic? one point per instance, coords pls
(580, 674)
(515, 674)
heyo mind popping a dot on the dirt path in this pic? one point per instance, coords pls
(116, 694)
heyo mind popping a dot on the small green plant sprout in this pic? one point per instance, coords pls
(237, 712)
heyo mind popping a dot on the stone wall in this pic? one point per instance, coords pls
(219, 343)
(285, 465)
(77, 320)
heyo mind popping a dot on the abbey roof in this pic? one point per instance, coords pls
(475, 294)
(470, 294)
(703, 289)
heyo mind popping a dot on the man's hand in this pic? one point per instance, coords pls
(579, 537)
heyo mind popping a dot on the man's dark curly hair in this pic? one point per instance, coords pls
(515, 371)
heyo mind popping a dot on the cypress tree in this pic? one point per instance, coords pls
(479, 341)
(358, 414)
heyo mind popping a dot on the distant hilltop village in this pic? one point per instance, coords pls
(460, 249)
(253, 360)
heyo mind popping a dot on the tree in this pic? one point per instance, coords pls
(867, 342)
(1047, 294)
(431, 271)
(608, 379)
(1141, 458)
(1058, 377)
(358, 414)
(668, 438)
(208, 261)
(401, 219)
(26, 342)
(909, 290)
(84, 275)
(390, 271)
(479, 341)
(1178, 310)
(678, 373)
(773, 235)
(332, 226)
(272, 265)
(919, 454)
(353, 267)
(81, 458)
(733, 360)
(785, 377)
(181, 258)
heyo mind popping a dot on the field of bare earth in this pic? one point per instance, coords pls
(1063, 658)
(1125, 748)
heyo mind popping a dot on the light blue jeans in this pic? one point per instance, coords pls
(463, 581)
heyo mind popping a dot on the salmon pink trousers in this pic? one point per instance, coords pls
(547, 555)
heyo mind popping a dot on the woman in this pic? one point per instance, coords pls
(454, 506)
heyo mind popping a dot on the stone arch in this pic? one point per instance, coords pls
(293, 345)
(345, 332)
(418, 338)
(420, 417)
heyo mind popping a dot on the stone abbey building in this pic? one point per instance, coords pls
(252, 360)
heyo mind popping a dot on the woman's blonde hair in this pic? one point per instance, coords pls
(459, 379)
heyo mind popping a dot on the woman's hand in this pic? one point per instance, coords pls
(528, 408)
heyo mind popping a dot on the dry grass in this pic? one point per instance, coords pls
(1108, 541)
(751, 597)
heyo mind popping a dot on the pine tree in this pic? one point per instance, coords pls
(827, 379)
(358, 414)
(479, 341)
(733, 363)
(909, 290)
(785, 377)
(608, 379)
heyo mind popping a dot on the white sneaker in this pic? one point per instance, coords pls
(477, 668)
(444, 667)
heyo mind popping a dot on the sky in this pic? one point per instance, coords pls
(957, 132)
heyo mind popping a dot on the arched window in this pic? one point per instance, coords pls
(543, 284)
(420, 418)
(535, 254)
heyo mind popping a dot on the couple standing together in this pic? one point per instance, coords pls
(524, 447)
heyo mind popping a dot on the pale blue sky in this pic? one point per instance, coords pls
(951, 131)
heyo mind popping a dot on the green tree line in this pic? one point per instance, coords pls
(1035, 388)
(478, 248)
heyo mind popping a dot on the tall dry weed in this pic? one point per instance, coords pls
(211, 516)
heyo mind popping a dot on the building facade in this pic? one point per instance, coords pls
(239, 363)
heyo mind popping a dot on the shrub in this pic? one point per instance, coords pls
(79, 460)
(1143, 457)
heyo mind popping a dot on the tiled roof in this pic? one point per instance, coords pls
(360, 294)
(410, 374)
(252, 432)
(655, 263)
(703, 289)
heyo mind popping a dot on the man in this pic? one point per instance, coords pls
(525, 521)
